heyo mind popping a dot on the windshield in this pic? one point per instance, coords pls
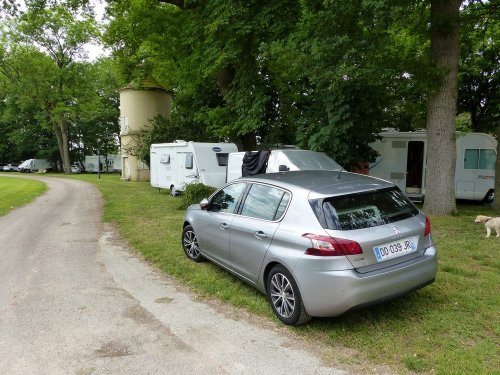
(364, 210)
(311, 160)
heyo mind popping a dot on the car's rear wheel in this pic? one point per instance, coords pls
(190, 244)
(285, 297)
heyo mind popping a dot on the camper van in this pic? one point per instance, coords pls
(284, 160)
(402, 160)
(173, 165)
(35, 165)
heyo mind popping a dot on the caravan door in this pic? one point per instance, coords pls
(415, 167)
(187, 170)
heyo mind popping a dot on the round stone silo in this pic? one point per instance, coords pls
(138, 105)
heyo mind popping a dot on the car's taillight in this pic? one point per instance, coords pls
(331, 246)
(427, 229)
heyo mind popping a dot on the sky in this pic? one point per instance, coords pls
(95, 50)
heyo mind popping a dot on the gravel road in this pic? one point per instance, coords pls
(75, 300)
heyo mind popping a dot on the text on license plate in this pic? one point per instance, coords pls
(395, 249)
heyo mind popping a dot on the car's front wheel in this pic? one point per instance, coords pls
(285, 297)
(190, 244)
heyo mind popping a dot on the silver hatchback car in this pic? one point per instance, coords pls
(318, 243)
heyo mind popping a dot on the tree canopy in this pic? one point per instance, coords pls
(45, 76)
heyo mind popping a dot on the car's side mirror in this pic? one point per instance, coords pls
(283, 168)
(204, 204)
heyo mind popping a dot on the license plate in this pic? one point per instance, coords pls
(395, 249)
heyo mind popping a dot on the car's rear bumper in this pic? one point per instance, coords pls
(331, 293)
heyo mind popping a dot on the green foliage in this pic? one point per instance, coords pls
(95, 128)
(326, 75)
(52, 99)
(193, 194)
(479, 75)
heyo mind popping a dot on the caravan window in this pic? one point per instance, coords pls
(222, 159)
(479, 159)
(165, 159)
(189, 160)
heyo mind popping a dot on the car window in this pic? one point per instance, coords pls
(265, 202)
(226, 199)
(366, 210)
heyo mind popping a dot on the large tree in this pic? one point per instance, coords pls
(326, 75)
(26, 77)
(211, 54)
(50, 93)
(442, 108)
(60, 32)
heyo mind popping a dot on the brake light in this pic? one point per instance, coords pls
(427, 229)
(331, 246)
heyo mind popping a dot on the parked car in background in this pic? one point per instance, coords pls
(10, 168)
(318, 243)
(75, 169)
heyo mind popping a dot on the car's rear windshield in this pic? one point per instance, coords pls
(364, 210)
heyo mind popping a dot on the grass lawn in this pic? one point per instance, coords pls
(449, 327)
(15, 192)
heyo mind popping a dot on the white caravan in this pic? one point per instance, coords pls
(285, 160)
(108, 163)
(173, 165)
(402, 160)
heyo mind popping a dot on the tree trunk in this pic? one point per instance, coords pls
(64, 144)
(441, 109)
(57, 132)
(496, 202)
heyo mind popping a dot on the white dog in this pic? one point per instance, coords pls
(490, 223)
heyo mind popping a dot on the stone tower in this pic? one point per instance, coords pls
(138, 105)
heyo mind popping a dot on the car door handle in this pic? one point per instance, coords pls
(223, 226)
(260, 235)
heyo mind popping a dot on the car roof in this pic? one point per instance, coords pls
(321, 183)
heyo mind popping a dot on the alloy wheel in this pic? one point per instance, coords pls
(282, 295)
(191, 244)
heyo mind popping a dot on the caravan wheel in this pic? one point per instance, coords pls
(489, 197)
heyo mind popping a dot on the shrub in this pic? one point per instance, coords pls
(194, 193)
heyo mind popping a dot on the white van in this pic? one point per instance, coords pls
(403, 155)
(34, 165)
(173, 165)
(285, 160)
